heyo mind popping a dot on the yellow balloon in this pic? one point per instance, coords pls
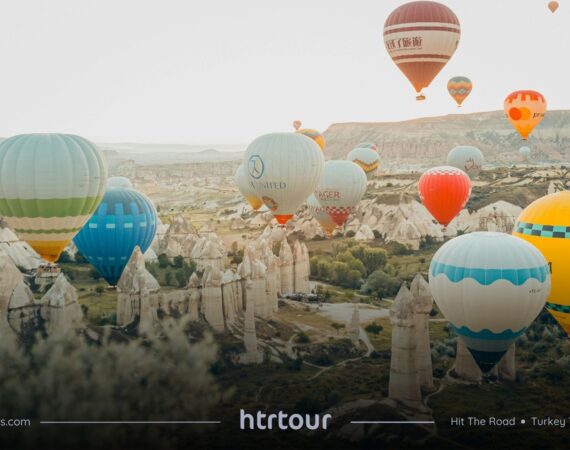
(545, 223)
(314, 135)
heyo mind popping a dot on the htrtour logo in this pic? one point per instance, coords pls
(282, 421)
(256, 166)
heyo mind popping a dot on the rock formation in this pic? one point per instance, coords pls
(251, 355)
(21, 254)
(232, 297)
(254, 278)
(404, 385)
(301, 268)
(179, 239)
(194, 297)
(134, 287)
(465, 366)
(60, 307)
(209, 251)
(354, 328)
(286, 263)
(211, 306)
(507, 367)
(23, 314)
(423, 303)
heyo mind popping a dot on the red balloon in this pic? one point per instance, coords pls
(444, 191)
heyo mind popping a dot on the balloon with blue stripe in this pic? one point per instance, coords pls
(490, 286)
(125, 219)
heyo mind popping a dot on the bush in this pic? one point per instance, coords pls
(93, 273)
(178, 262)
(350, 233)
(399, 249)
(79, 258)
(303, 338)
(163, 261)
(99, 290)
(64, 257)
(181, 278)
(374, 328)
(381, 284)
(168, 278)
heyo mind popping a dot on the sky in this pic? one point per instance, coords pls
(227, 71)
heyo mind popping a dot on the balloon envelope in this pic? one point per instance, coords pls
(297, 124)
(490, 286)
(467, 158)
(421, 37)
(524, 152)
(125, 219)
(119, 183)
(525, 110)
(444, 191)
(244, 186)
(553, 6)
(545, 223)
(284, 169)
(459, 88)
(50, 185)
(315, 136)
(371, 145)
(320, 214)
(366, 158)
(341, 188)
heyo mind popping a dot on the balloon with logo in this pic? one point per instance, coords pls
(490, 286)
(50, 185)
(124, 220)
(246, 189)
(467, 158)
(553, 6)
(525, 110)
(366, 158)
(421, 37)
(444, 191)
(545, 223)
(459, 88)
(297, 124)
(341, 188)
(525, 152)
(315, 136)
(320, 214)
(284, 169)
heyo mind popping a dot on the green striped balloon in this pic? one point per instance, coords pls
(50, 185)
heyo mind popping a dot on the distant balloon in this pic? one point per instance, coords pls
(459, 88)
(342, 186)
(366, 158)
(420, 38)
(371, 145)
(119, 183)
(545, 223)
(245, 187)
(490, 286)
(467, 158)
(50, 185)
(444, 191)
(315, 136)
(125, 219)
(297, 124)
(320, 214)
(553, 6)
(525, 153)
(525, 110)
(284, 169)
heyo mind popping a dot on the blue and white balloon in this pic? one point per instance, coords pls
(490, 286)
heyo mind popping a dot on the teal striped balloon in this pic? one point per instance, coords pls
(50, 185)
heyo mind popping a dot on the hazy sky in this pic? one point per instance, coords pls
(213, 71)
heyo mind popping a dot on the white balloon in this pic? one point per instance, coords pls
(367, 158)
(246, 189)
(284, 169)
(467, 158)
(320, 214)
(341, 188)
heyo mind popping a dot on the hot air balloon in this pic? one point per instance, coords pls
(444, 191)
(297, 124)
(244, 186)
(467, 158)
(119, 183)
(525, 153)
(420, 38)
(371, 145)
(125, 219)
(525, 110)
(320, 214)
(553, 6)
(366, 158)
(490, 286)
(315, 136)
(545, 223)
(341, 188)
(50, 185)
(459, 88)
(284, 169)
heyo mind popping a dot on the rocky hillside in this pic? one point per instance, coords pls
(430, 139)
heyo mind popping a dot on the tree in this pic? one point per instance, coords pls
(79, 258)
(374, 328)
(374, 259)
(94, 273)
(181, 278)
(64, 257)
(99, 290)
(303, 338)
(163, 261)
(168, 278)
(178, 262)
(381, 284)
(337, 326)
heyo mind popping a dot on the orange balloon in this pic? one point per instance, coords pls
(297, 124)
(525, 110)
(553, 6)
(421, 37)
(444, 191)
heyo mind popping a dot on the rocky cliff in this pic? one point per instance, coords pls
(430, 139)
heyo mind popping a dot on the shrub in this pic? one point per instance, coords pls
(99, 290)
(303, 338)
(181, 278)
(93, 273)
(374, 328)
(178, 262)
(163, 261)
(64, 257)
